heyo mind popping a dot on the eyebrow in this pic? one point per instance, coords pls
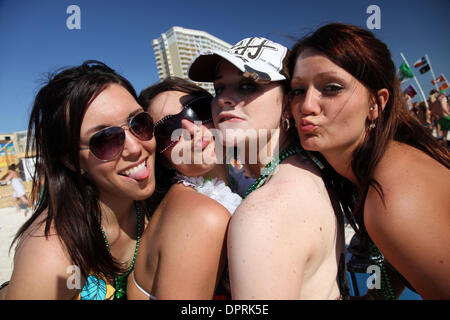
(103, 126)
(323, 75)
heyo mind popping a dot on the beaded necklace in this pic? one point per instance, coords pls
(270, 168)
(377, 258)
(120, 281)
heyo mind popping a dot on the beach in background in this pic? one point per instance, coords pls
(10, 222)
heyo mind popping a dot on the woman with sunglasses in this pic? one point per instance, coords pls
(183, 253)
(285, 240)
(95, 161)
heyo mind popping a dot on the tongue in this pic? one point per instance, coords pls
(140, 174)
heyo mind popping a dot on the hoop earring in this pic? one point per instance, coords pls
(286, 124)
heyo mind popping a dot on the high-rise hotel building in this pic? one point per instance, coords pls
(176, 48)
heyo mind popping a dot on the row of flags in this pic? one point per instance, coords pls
(405, 73)
(411, 91)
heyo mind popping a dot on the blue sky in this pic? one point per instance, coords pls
(34, 38)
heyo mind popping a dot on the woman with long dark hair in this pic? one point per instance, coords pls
(347, 104)
(183, 250)
(95, 159)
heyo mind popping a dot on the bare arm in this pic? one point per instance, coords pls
(193, 253)
(8, 177)
(412, 233)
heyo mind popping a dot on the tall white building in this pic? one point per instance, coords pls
(176, 48)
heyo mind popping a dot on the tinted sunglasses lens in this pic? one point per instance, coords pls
(163, 132)
(197, 109)
(107, 143)
(201, 108)
(142, 126)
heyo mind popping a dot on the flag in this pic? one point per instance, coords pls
(438, 79)
(405, 72)
(422, 61)
(444, 86)
(410, 91)
(424, 69)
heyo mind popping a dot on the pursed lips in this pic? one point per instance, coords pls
(228, 117)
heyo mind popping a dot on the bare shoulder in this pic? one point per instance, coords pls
(40, 266)
(294, 204)
(296, 188)
(36, 244)
(187, 209)
(411, 179)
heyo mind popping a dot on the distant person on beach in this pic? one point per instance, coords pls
(424, 115)
(444, 116)
(19, 194)
(183, 250)
(347, 104)
(285, 240)
(436, 112)
(95, 149)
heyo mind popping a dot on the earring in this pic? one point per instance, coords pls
(82, 171)
(372, 124)
(286, 124)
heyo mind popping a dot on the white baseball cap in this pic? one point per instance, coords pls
(258, 58)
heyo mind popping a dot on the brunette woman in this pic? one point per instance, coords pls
(347, 104)
(183, 251)
(95, 159)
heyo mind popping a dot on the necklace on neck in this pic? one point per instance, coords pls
(120, 281)
(272, 165)
(270, 168)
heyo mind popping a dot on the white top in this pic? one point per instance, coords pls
(214, 188)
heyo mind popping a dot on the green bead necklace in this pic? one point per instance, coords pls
(271, 166)
(120, 281)
(386, 286)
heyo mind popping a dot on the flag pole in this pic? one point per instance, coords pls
(415, 79)
(432, 72)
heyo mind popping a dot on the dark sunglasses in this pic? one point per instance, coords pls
(108, 143)
(197, 109)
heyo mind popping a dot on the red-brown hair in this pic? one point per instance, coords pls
(369, 60)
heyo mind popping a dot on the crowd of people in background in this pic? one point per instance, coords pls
(436, 116)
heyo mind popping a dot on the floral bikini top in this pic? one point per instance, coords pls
(96, 288)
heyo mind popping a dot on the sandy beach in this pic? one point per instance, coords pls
(10, 222)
